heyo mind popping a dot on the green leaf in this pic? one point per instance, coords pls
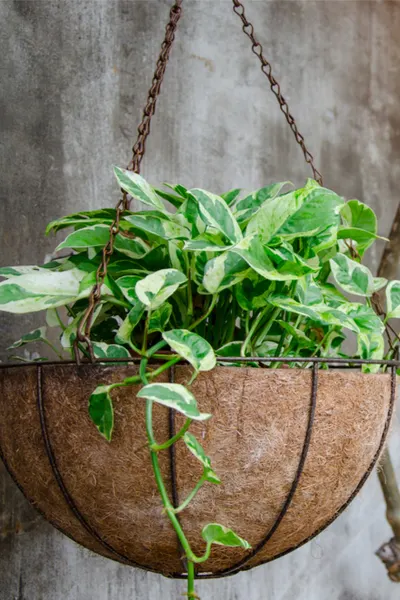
(364, 317)
(259, 257)
(104, 216)
(299, 335)
(351, 276)
(272, 215)
(253, 292)
(101, 411)
(215, 213)
(359, 216)
(102, 350)
(17, 271)
(393, 300)
(176, 201)
(127, 285)
(177, 257)
(214, 533)
(132, 247)
(191, 347)
(154, 289)
(247, 207)
(160, 317)
(126, 329)
(138, 188)
(159, 225)
(200, 245)
(41, 290)
(37, 335)
(88, 237)
(224, 271)
(371, 346)
(308, 291)
(319, 211)
(190, 212)
(231, 196)
(197, 450)
(173, 395)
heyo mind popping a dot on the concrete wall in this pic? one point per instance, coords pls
(74, 78)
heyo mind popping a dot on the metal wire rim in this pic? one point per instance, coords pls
(242, 564)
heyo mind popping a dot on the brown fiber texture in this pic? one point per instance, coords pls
(254, 439)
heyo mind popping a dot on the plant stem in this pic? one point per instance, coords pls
(190, 497)
(252, 330)
(268, 325)
(117, 302)
(171, 441)
(53, 348)
(190, 581)
(205, 315)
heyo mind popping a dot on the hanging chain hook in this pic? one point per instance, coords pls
(138, 150)
(266, 68)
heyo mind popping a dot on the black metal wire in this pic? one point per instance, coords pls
(306, 445)
(244, 563)
(60, 481)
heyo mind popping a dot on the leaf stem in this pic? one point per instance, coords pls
(175, 438)
(206, 314)
(190, 497)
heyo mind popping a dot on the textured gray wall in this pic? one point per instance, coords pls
(74, 78)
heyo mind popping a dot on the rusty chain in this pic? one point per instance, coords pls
(266, 68)
(138, 150)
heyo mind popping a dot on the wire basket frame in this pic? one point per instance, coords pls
(243, 564)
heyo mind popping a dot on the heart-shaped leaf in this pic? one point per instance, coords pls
(138, 188)
(173, 395)
(160, 317)
(37, 335)
(101, 411)
(214, 533)
(353, 277)
(191, 347)
(215, 213)
(154, 289)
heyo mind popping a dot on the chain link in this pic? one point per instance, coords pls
(266, 68)
(138, 150)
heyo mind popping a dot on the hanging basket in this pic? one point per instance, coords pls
(292, 447)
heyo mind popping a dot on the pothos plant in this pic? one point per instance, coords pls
(264, 275)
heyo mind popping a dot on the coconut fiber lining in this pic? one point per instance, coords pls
(255, 439)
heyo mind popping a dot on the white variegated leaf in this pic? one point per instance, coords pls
(154, 289)
(173, 395)
(393, 300)
(215, 213)
(191, 347)
(41, 290)
(351, 276)
(224, 271)
(198, 451)
(138, 188)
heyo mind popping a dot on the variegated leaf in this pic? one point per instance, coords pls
(173, 395)
(191, 347)
(215, 213)
(37, 335)
(138, 188)
(198, 451)
(154, 289)
(371, 346)
(351, 276)
(393, 300)
(41, 290)
(224, 271)
(214, 533)
(101, 411)
(159, 225)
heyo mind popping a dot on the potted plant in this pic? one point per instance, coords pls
(183, 307)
